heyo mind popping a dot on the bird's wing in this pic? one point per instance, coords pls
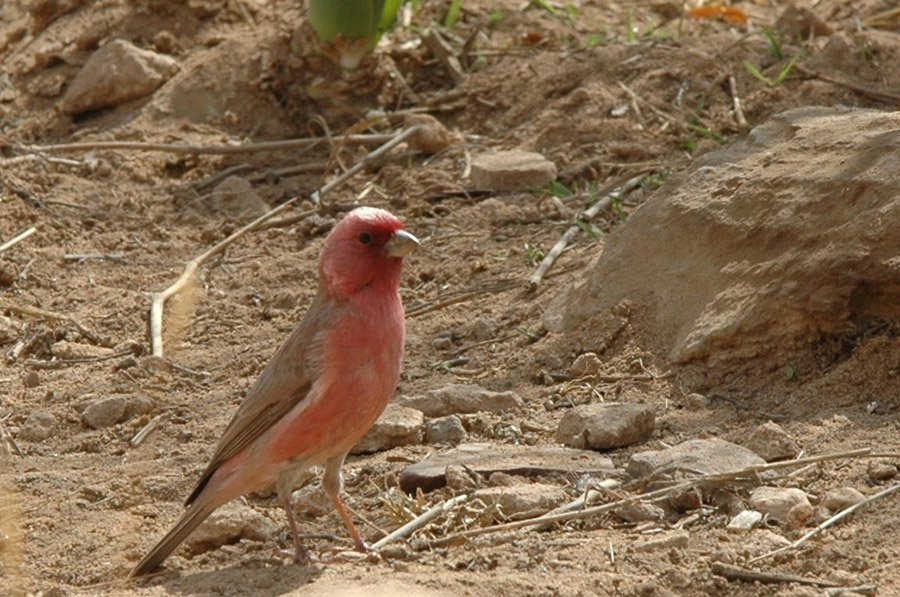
(285, 382)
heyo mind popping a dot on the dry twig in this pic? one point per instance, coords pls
(882, 96)
(17, 238)
(735, 573)
(43, 313)
(588, 214)
(736, 100)
(420, 521)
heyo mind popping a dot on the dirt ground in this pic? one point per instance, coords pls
(605, 90)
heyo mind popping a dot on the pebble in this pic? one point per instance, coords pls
(606, 425)
(841, 498)
(104, 412)
(513, 170)
(744, 521)
(447, 430)
(462, 398)
(231, 522)
(117, 72)
(76, 350)
(879, 470)
(517, 499)
(38, 426)
(31, 379)
(397, 426)
(772, 443)
(671, 540)
(235, 198)
(788, 506)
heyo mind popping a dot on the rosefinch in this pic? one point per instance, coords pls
(322, 390)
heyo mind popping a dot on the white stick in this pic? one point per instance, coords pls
(420, 521)
(18, 238)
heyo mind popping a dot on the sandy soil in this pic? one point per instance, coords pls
(79, 506)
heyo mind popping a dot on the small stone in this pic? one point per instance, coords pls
(800, 21)
(38, 426)
(447, 430)
(442, 343)
(104, 412)
(788, 506)
(139, 404)
(671, 540)
(879, 470)
(397, 426)
(744, 521)
(116, 73)
(460, 399)
(518, 499)
(431, 137)
(772, 443)
(461, 478)
(513, 170)
(639, 512)
(311, 501)
(605, 426)
(483, 329)
(696, 401)
(76, 350)
(686, 499)
(164, 41)
(700, 456)
(31, 379)
(842, 498)
(230, 523)
(235, 198)
(587, 363)
(10, 329)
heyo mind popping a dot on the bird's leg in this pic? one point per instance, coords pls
(285, 490)
(332, 483)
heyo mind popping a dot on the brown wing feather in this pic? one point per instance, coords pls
(283, 384)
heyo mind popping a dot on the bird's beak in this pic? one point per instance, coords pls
(401, 244)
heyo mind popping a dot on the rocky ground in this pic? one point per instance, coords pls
(731, 305)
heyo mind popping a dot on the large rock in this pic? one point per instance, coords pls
(397, 426)
(486, 459)
(461, 399)
(116, 73)
(700, 456)
(761, 247)
(606, 425)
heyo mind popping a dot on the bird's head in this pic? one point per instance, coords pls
(365, 248)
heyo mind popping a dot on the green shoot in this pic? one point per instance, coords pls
(533, 254)
(453, 14)
(586, 228)
(757, 74)
(558, 189)
(494, 17)
(774, 44)
(786, 69)
(544, 5)
(629, 27)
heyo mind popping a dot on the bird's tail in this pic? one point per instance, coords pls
(190, 520)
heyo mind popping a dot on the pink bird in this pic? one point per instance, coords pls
(323, 389)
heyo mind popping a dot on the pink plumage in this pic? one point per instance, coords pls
(323, 389)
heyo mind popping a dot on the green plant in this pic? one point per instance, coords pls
(453, 14)
(558, 189)
(774, 44)
(779, 78)
(533, 254)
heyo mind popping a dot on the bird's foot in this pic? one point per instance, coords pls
(300, 556)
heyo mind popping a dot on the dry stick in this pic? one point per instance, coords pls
(882, 96)
(567, 237)
(735, 573)
(420, 521)
(736, 99)
(147, 429)
(18, 238)
(159, 299)
(750, 472)
(35, 312)
(831, 521)
(445, 55)
(184, 148)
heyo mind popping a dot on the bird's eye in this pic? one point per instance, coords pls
(365, 238)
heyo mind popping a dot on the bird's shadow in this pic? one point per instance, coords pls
(261, 577)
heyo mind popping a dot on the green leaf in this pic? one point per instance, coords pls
(558, 189)
(774, 44)
(544, 5)
(452, 14)
(755, 72)
(786, 69)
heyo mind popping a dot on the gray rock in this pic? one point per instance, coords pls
(518, 499)
(235, 198)
(38, 426)
(771, 443)
(114, 74)
(76, 350)
(879, 470)
(104, 412)
(841, 498)
(762, 257)
(788, 506)
(397, 426)
(447, 430)
(138, 404)
(606, 425)
(513, 170)
(701, 456)
(231, 522)
(486, 459)
(459, 398)
(639, 512)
